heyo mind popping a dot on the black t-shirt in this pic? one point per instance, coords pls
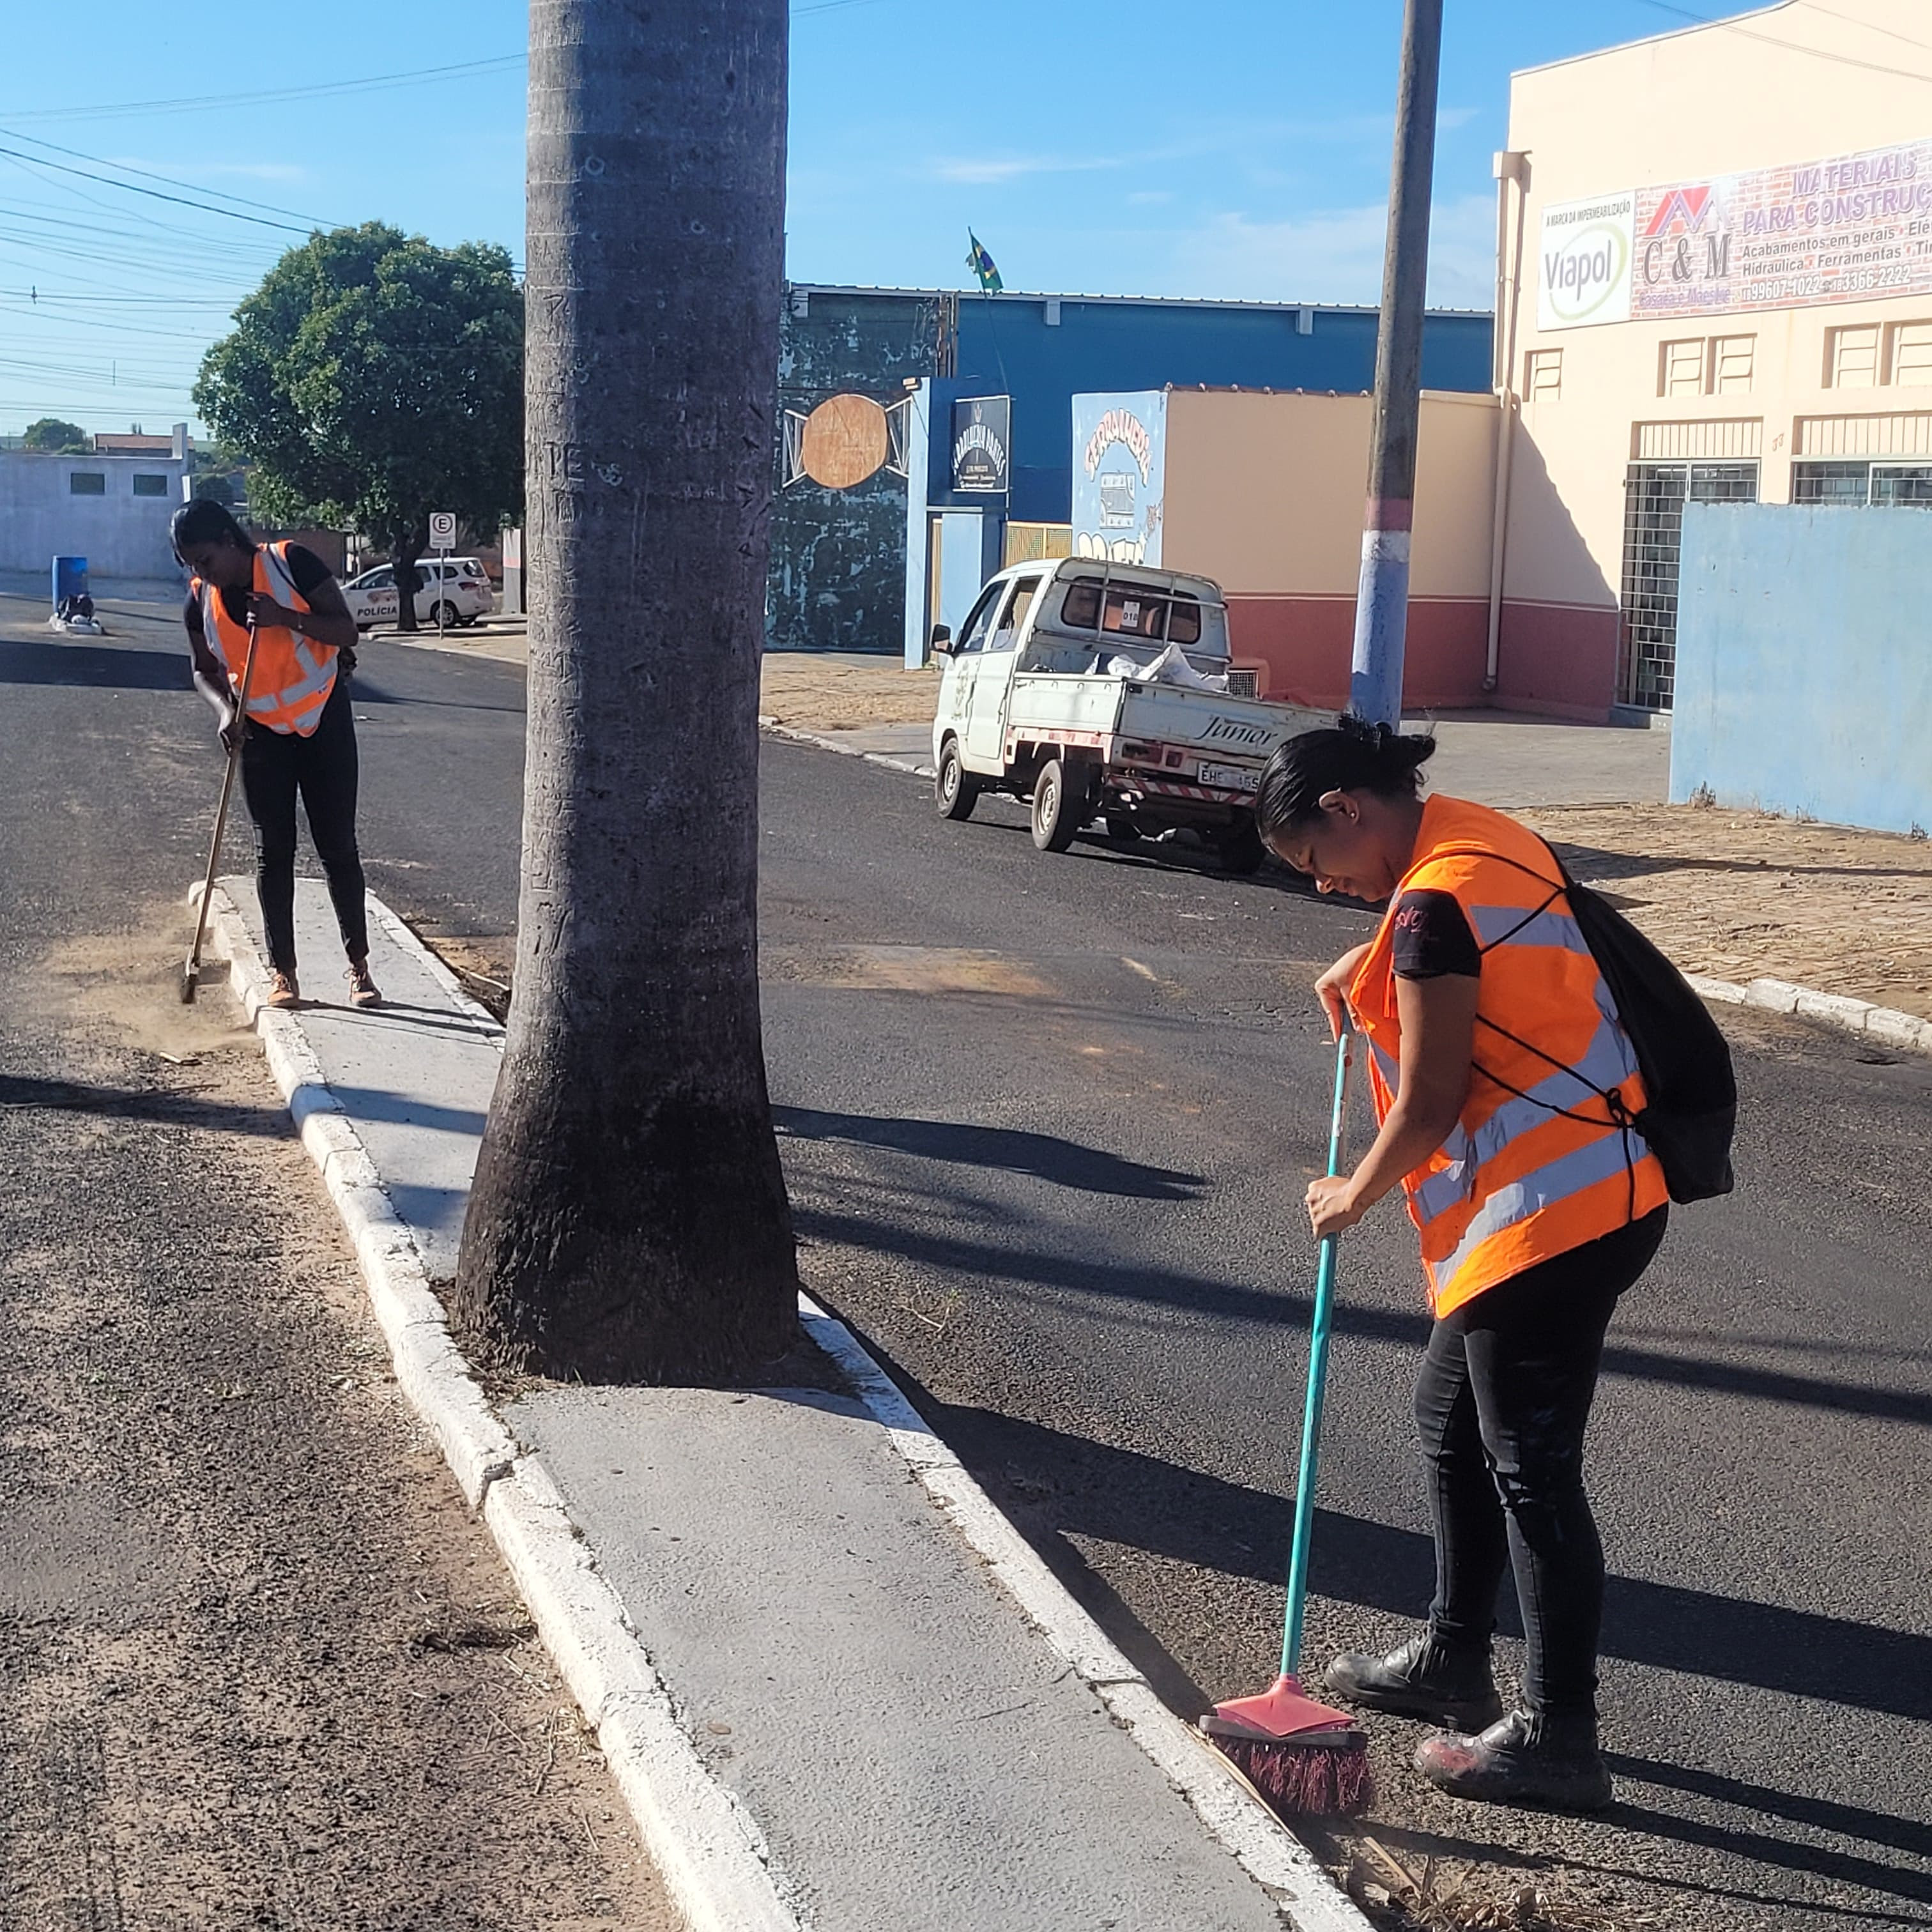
(1433, 938)
(306, 569)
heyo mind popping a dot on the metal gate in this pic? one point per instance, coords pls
(1655, 494)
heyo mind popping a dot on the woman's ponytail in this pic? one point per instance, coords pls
(1353, 755)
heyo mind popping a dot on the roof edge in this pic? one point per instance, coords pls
(1655, 39)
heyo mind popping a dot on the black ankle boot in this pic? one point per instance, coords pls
(1425, 1678)
(1522, 1759)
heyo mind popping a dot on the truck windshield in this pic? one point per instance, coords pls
(1153, 615)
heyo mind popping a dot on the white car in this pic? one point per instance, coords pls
(461, 582)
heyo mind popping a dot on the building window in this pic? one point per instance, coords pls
(1882, 485)
(150, 486)
(1732, 359)
(1543, 375)
(87, 482)
(1655, 494)
(1851, 357)
(1680, 368)
(1911, 359)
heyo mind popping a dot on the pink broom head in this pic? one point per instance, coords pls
(1307, 1760)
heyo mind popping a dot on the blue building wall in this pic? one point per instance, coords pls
(843, 564)
(1007, 347)
(1804, 670)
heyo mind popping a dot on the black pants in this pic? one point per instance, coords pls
(275, 765)
(1502, 1405)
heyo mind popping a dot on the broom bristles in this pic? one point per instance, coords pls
(1303, 1780)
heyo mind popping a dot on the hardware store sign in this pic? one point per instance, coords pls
(1850, 229)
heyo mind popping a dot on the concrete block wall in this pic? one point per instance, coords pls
(1804, 662)
(120, 534)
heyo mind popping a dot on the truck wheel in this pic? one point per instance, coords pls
(1240, 847)
(1059, 805)
(955, 790)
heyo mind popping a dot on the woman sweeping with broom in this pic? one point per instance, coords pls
(1505, 1088)
(298, 734)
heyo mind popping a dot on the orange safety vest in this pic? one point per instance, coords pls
(1539, 1163)
(293, 674)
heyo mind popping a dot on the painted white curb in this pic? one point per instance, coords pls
(713, 1859)
(826, 742)
(1884, 1023)
(1270, 1853)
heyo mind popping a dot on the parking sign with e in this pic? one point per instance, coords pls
(442, 530)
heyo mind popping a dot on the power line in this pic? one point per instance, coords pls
(1792, 46)
(129, 187)
(253, 97)
(146, 174)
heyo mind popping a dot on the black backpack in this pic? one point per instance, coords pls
(1691, 1092)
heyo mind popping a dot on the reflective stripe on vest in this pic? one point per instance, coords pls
(1539, 1162)
(293, 674)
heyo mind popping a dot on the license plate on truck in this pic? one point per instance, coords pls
(1230, 778)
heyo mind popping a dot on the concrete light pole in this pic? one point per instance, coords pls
(1382, 602)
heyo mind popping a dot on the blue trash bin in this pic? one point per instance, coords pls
(69, 578)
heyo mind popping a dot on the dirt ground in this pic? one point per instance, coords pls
(257, 1666)
(810, 693)
(1739, 895)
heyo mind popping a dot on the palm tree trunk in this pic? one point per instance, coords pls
(628, 1219)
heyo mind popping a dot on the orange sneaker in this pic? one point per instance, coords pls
(282, 990)
(361, 989)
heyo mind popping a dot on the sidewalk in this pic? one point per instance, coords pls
(836, 1686)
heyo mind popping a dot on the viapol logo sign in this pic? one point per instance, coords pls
(1583, 263)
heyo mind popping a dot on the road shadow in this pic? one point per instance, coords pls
(160, 1104)
(1044, 1156)
(1061, 1486)
(92, 666)
(1590, 864)
(1106, 1279)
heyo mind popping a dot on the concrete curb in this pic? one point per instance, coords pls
(713, 1858)
(826, 742)
(1237, 1821)
(1884, 1025)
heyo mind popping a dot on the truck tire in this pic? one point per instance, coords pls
(1240, 847)
(1060, 803)
(955, 789)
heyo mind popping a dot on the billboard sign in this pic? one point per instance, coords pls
(1119, 476)
(1855, 229)
(983, 435)
(1584, 262)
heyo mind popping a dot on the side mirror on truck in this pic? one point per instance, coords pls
(942, 640)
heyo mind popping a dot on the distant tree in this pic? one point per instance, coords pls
(215, 485)
(371, 379)
(55, 437)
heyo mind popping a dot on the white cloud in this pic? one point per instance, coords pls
(980, 171)
(263, 171)
(1150, 197)
(1335, 255)
(1453, 117)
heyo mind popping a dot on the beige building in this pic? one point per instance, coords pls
(1715, 283)
(1262, 494)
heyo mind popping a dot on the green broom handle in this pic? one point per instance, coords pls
(1318, 1379)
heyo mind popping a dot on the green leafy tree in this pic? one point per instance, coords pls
(371, 379)
(52, 436)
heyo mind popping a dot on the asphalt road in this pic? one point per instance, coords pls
(257, 1665)
(1047, 1122)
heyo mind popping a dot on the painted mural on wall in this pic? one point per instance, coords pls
(1852, 228)
(838, 522)
(1119, 476)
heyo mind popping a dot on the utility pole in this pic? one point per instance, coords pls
(1382, 602)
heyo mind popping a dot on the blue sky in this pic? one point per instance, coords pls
(1229, 147)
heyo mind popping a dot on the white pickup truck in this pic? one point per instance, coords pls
(1098, 690)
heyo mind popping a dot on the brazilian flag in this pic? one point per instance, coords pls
(981, 263)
